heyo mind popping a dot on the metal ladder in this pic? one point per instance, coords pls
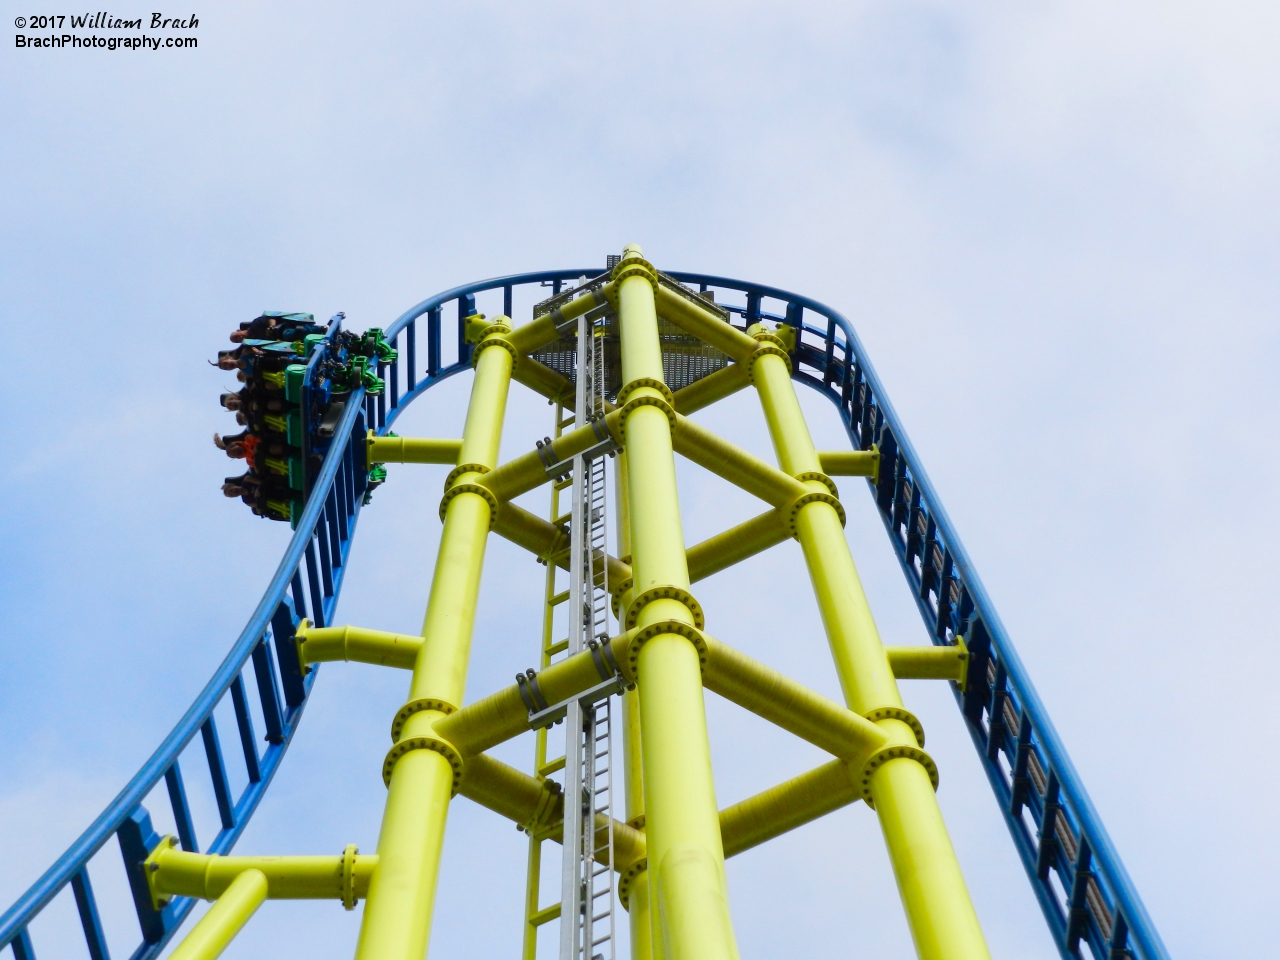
(588, 886)
(551, 648)
(587, 883)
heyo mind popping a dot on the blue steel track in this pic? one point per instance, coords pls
(1082, 887)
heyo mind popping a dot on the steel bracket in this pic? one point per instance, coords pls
(611, 681)
(605, 445)
(553, 714)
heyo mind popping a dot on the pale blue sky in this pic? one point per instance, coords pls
(1055, 229)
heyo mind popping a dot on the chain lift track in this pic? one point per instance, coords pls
(1089, 903)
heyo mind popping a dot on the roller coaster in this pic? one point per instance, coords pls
(625, 356)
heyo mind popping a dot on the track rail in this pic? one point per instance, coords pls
(1078, 877)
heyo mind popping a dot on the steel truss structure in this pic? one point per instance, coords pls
(614, 345)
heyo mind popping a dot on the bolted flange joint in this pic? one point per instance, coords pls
(430, 742)
(547, 813)
(617, 593)
(417, 706)
(768, 336)
(635, 266)
(639, 382)
(665, 593)
(628, 879)
(479, 490)
(151, 866)
(349, 876)
(677, 627)
(899, 713)
(627, 404)
(815, 497)
(766, 350)
(893, 752)
(299, 640)
(821, 478)
(496, 339)
(462, 468)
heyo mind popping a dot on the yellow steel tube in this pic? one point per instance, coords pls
(704, 325)
(865, 677)
(532, 884)
(440, 670)
(503, 715)
(850, 463)
(637, 901)
(326, 644)
(528, 802)
(767, 693)
(482, 433)
(412, 450)
(225, 919)
(641, 917)
(637, 317)
(397, 916)
(631, 755)
(540, 537)
(697, 443)
(787, 806)
(533, 805)
(528, 471)
(728, 672)
(179, 873)
(657, 540)
(545, 540)
(544, 381)
(929, 663)
(714, 386)
(787, 427)
(942, 919)
(939, 910)
(538, 333)
(736, 544)
(686, 862)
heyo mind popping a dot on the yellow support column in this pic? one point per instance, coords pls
(686, 883)
(943, 923)
(534, 914)
(637, 880)
(423, 769)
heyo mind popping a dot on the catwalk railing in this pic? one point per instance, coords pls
(1078, 877)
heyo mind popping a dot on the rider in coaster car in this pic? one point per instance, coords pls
(241, 416)
(243, 358)
(291, 326)
(253, 401)
(252, 447)
(251, 358)
(246, 487)
(242, 446)
(266, 501)
(222, 443)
